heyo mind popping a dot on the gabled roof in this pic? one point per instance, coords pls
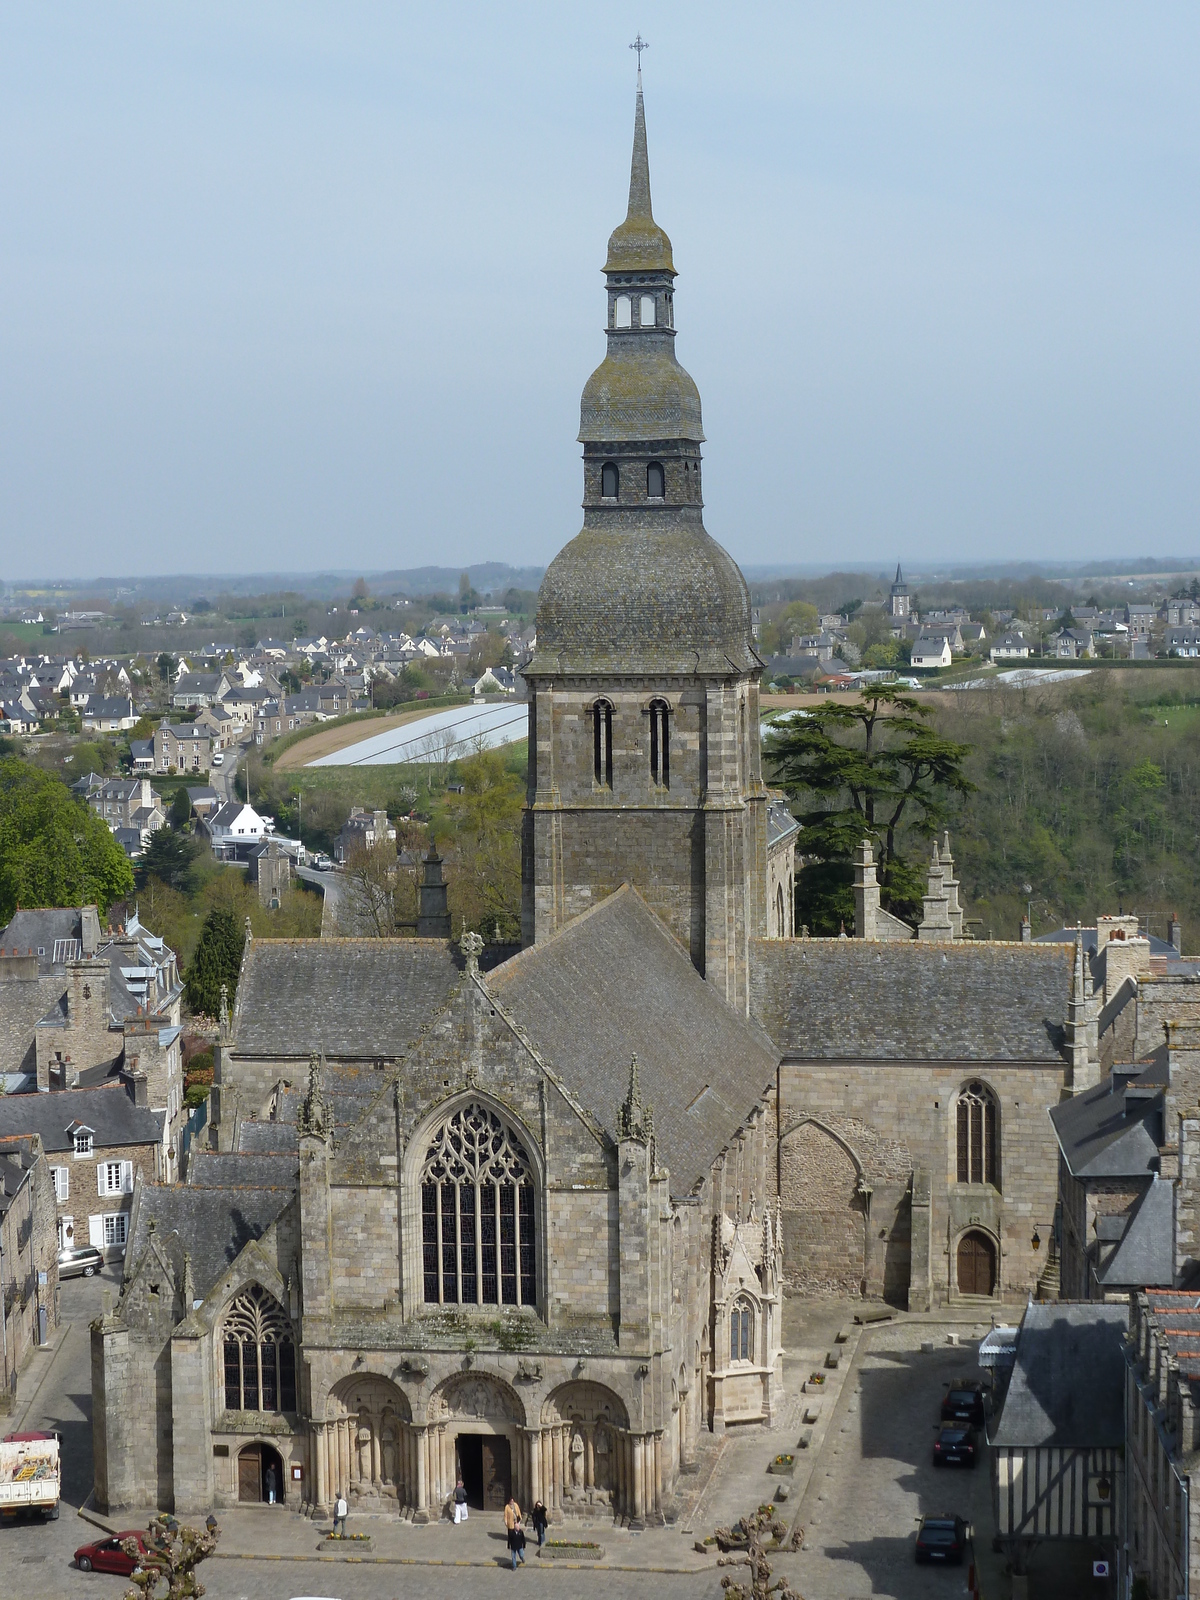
(1111, 1131)
(908, 1001)
(362, 998)
(1068, 1384)
(109, 1113)
(614, 983)
(1146, 1254)
(214, 1225)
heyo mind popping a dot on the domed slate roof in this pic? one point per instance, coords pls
(634, 598)
(634, 394)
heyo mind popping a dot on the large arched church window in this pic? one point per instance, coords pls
(259, 1354)
(660, 743)
(977, 1135)
(477, 1214)
(610, 481)
(602, 721)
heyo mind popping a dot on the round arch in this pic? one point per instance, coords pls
(480, 1398)
(363, 1444)
(583, 1400)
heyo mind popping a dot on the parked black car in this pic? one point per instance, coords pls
(942, 1539)
(964, 1403)
(957, 1445)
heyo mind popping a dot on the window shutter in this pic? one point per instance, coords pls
(63, 1174)
(96, 1231)
(100, 1177)
(127, 1177)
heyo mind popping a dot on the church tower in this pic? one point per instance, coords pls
(644, 758)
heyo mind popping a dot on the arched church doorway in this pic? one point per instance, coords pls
(485, 1467)
(976, 1263)
(260, 1473)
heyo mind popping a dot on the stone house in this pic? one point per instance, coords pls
(362, 830)
(182, 747)
(96, 1143)
(28, 1255)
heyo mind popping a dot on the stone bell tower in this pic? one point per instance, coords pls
(644, 759)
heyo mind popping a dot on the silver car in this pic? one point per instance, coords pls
(82, 1263)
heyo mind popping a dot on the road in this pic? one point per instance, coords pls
(876, 1475)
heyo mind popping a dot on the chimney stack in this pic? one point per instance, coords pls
(866, 892)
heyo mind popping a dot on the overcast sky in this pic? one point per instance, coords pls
(317, 285)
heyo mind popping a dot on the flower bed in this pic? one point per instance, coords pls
(346, 1543)
(816, 1377)
(783, 1466)
(571, 1550)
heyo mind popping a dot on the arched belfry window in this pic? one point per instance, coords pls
(477, 1214)
(741, 1331)
(977, 1130)
(623, 312)
(259, 1354)
(656, 481)
(780, 913)
(610, 480)
(602, 718)
(660, 743)
(647, 311)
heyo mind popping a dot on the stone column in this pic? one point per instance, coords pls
(589, 1459)
(318, 1466)
(558, 1465)
(345, 1444)
(547, 1450)
(639, 1477)
(658, 1477)
(422, 1476)
(536, 1492)
(376, 1467)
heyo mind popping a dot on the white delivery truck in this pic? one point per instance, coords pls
(29, 1474)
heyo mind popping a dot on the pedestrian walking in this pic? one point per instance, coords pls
(460, 1503)
(516, 1533)
(540, 1518)
(340, 1511)
(271, 1485)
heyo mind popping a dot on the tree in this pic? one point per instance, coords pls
(360, 590)
(54, 851)
(180, 813)
(378, 896)
(167, 666)
(217, 961)
(485, 876)
(173, 1552)
(170, 857)
(875, 767)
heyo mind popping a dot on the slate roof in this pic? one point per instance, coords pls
(215, 1169)
(1111, 1131)
(267, 1138)
(614, 982)
(348, 997)
(901, 1001)
(1068, 1383)
(41, 930)
(213, 1225)
(780, 823)
(109, 1112)
(1146, 1253)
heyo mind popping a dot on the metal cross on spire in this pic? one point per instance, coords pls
(639, 44)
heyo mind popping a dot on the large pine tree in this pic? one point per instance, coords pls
(217, 961)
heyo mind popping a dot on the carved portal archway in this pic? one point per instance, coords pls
(364, 1445)
(477, 1397)
(588, 1430)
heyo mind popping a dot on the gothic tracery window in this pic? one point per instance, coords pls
(976, 1135)
(477, 1214)
(259, 1354)
(741, 1331)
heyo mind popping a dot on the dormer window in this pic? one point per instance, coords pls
(656, 481)
(83, 1142)
(610, 480)
(623, 312)
(647, 311)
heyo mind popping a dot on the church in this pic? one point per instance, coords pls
(531, 1216)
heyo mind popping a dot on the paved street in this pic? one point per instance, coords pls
(876, 1476)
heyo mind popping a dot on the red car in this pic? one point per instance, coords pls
(106, 1555)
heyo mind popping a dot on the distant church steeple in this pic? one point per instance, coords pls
(644, 761)
(899, 603)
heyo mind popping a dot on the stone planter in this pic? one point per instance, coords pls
(571, 1552)
(783, 1466)
(346, 1547)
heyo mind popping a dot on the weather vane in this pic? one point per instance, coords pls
(639, 44)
